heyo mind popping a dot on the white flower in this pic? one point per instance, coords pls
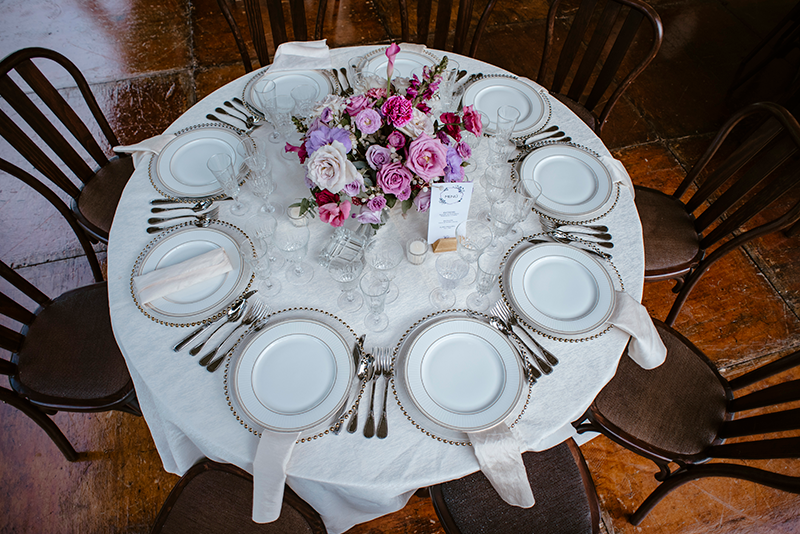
(335, 102)
(420, 123)
(329, 168)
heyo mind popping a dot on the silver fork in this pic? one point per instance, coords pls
(210, 214)
(386, 369)
(259, 323)
(504, 313)
(369, 424)
(255, 311)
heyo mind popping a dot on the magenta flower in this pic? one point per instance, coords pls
(427, 157)
(378, 156)
(394, 179)
(472, 121)
(396, 139)
(464, 150)
(334, 214)
(356, 104)
(368, 121)
(391, 53)
(376, 203)
(397, 110)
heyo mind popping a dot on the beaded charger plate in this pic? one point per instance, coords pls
(293, 375)
(285, 81)
(454, 374)
(406, 63)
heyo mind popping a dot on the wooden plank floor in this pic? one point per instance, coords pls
(149, 60)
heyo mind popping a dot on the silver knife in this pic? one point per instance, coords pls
(356, 360)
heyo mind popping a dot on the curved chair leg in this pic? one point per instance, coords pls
(43, 421)
(743, 472)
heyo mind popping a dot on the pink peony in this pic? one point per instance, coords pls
(395, 180)
(334, 214)
(427, 157)
(397, 110)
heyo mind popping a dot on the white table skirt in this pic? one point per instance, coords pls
(348, 479)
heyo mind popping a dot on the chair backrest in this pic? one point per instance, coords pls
(54, 122)
(596, 53)
(441, 24)
(213, 497)
(277, 24)
(746, 180)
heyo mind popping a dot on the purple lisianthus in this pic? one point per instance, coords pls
(326, 115)
(368, 216)
(368, 121)
(397, 110)
(453, 172)
(464, 150)
(324, 136)
(378, 156)
(423, 200)
(395, 179)
(356, 104)
(426, 157)
(396, 139)
(376, 203)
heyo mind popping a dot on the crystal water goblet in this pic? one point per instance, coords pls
(384, 255)
(451, 268)
(472, 238)
(503, 213)
(346, 272)
(507, 117)
(304, 96)
(221, 166)
(292, 241)
(525, 194)
(280, 110)
(262, 227)
(447, 86)
(488, 271)
(257, 258)
(374, 286)
(497, 184)
(264, 91)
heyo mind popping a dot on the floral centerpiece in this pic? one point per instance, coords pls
(366, 153)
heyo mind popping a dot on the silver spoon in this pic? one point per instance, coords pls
(200, 206)
(213, 117)
(250, 119)
(239, 101)
(236, 308)
(365, 371)
(346, 405)
(369, 424)
(237, 312)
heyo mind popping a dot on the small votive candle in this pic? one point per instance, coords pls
(416, 251)
(293, 213)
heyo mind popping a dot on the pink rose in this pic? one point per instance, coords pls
(376, 203)
(378, 156)
(334, 214)
(397, 110)
(427, 157)
(423, 201)
(368, 121)
(396, 139)
(395, 180)
(472, 121)
(369, 217)
(464, 150)
(357, 104)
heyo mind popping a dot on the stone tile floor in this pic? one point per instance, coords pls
(149, 60)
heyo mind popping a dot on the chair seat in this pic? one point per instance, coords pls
(678, 406)
(561, 500)
(99, 197)
(584, 114)
(671, 244)
(70, 352)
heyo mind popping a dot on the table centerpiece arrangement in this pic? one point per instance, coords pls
(368, 152)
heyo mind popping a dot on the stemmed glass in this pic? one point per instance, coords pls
(346, 272)
(221, 166)
(447, 86)
(488, 273)
(503, 213)
(293, 242)
(472, 238)
(384, 255)
(280, 110)
(257, 258)
(525, 194)
(497, 184)
(374, 286)
(261, 183)
(264, 91)
(262, 227)
(451, 268)
(303, 96)
(507, 117)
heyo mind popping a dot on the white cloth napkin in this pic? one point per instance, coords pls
(618, 172)
(302, 55)
(500, 457)
(646, 347)
(269, 473)
(413, 47)
(145, 148)
(162, 282)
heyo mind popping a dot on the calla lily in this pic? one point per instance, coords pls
(391, 53)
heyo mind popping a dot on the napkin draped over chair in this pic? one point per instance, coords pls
(618, 172)
(269, 473)
(646, 347)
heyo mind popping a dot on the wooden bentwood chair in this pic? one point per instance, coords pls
(213, 497)
(684, 412)
(441, 32)
(566, 502)
(277, 23)
(751, 182)
(95, 191)
(604, 50)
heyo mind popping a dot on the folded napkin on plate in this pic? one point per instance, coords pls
(269, 473)
(646, 347)
(413, 47)
(618, 172)
(143, 149)
(499, 455)
(162, 282)
(302, 55)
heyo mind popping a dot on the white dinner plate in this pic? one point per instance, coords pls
(573, 181)
(199, 301)
(180, 169)
(558, 288)
(492, 92)
(406, 63)
(287, 80)
(292, 375)
(462, 374)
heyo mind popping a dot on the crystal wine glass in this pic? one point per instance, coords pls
(384, 255)
(221, 166)
(374, 286)
(293, 242)
(280, 110)
(262, 227)
(447, 86)
(257, 258)
(488, 268)
(264, 91)
(472, 238)
(346, 272)
(525, 193)
(507, 117)
(451, 268)
(497, 184)
(304, 96)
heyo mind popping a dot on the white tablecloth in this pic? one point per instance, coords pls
(347, 478)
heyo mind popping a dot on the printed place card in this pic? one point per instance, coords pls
(449, 208)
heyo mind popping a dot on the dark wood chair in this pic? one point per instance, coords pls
(441, 24)
(589, 66)
(277, 23)
(566, 502)
(64, 356)
(748, 180)
(682, 413)
(213, 497)
(95, 187)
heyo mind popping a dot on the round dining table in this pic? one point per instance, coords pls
(346, 477)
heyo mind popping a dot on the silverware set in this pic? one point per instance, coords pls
(502, 319)
(238, 111)
(553, 131)
(201, 220)
(374, 365)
